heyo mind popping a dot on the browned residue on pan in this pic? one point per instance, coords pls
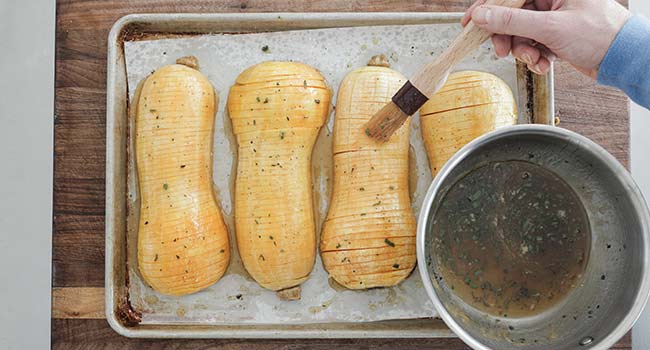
(127, 315)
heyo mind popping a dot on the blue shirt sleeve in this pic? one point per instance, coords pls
(627, 62)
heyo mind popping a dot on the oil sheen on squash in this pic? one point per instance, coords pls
(511, 239)
(277, 110)
(368, 238)
(469, 105)
(182, 238)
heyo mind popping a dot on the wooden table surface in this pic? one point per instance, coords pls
(78, 322)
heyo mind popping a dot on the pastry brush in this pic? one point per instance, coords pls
(424, 84)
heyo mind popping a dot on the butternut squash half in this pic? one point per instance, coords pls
(469, 105)
(182, 239)
(277, 110)
(368, 238)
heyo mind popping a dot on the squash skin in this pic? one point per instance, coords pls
(277, 110)
(368, 238)
(469, 105)
(183, 243)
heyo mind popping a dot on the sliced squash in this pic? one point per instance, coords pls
(469, 105)
(277, 110)
(182, 239)
(368, 238)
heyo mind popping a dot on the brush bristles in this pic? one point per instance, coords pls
(386, 122)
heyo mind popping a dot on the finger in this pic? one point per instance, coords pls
(543, 66)
(546, 52)
(502, 45)
(547, 5)
(524, 51)
(468, 14)
(516, 22)
(530, 5)
(555, 4)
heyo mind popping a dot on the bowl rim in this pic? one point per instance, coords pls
(580, 141)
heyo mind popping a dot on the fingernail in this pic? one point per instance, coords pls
(536, 69)
(482, 15)
(526, 58)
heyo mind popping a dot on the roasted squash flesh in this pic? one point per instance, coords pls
(368, 238)
(469, 105)
(182, 239)
(277, 110)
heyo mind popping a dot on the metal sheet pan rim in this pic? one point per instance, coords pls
(252, 333)
(354, 18)
(291, 21)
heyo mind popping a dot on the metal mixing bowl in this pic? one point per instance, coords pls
(615, 286)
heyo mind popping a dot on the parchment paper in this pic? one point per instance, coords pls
(236, 298)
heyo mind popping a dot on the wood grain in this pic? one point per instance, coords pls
(83, 302)
(97, 335)
(79, 153)
(598, 112)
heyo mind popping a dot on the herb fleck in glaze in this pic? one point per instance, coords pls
(511, 239)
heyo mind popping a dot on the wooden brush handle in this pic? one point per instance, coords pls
(428, 79)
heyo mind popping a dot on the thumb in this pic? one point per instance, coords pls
(512, 21)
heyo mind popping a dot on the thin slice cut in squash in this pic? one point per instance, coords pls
(469, 105)
(182, 239)
(368, 238)
(277, 110)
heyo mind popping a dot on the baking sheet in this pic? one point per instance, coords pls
(236, 299)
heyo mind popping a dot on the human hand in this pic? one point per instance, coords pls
(577, 31)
